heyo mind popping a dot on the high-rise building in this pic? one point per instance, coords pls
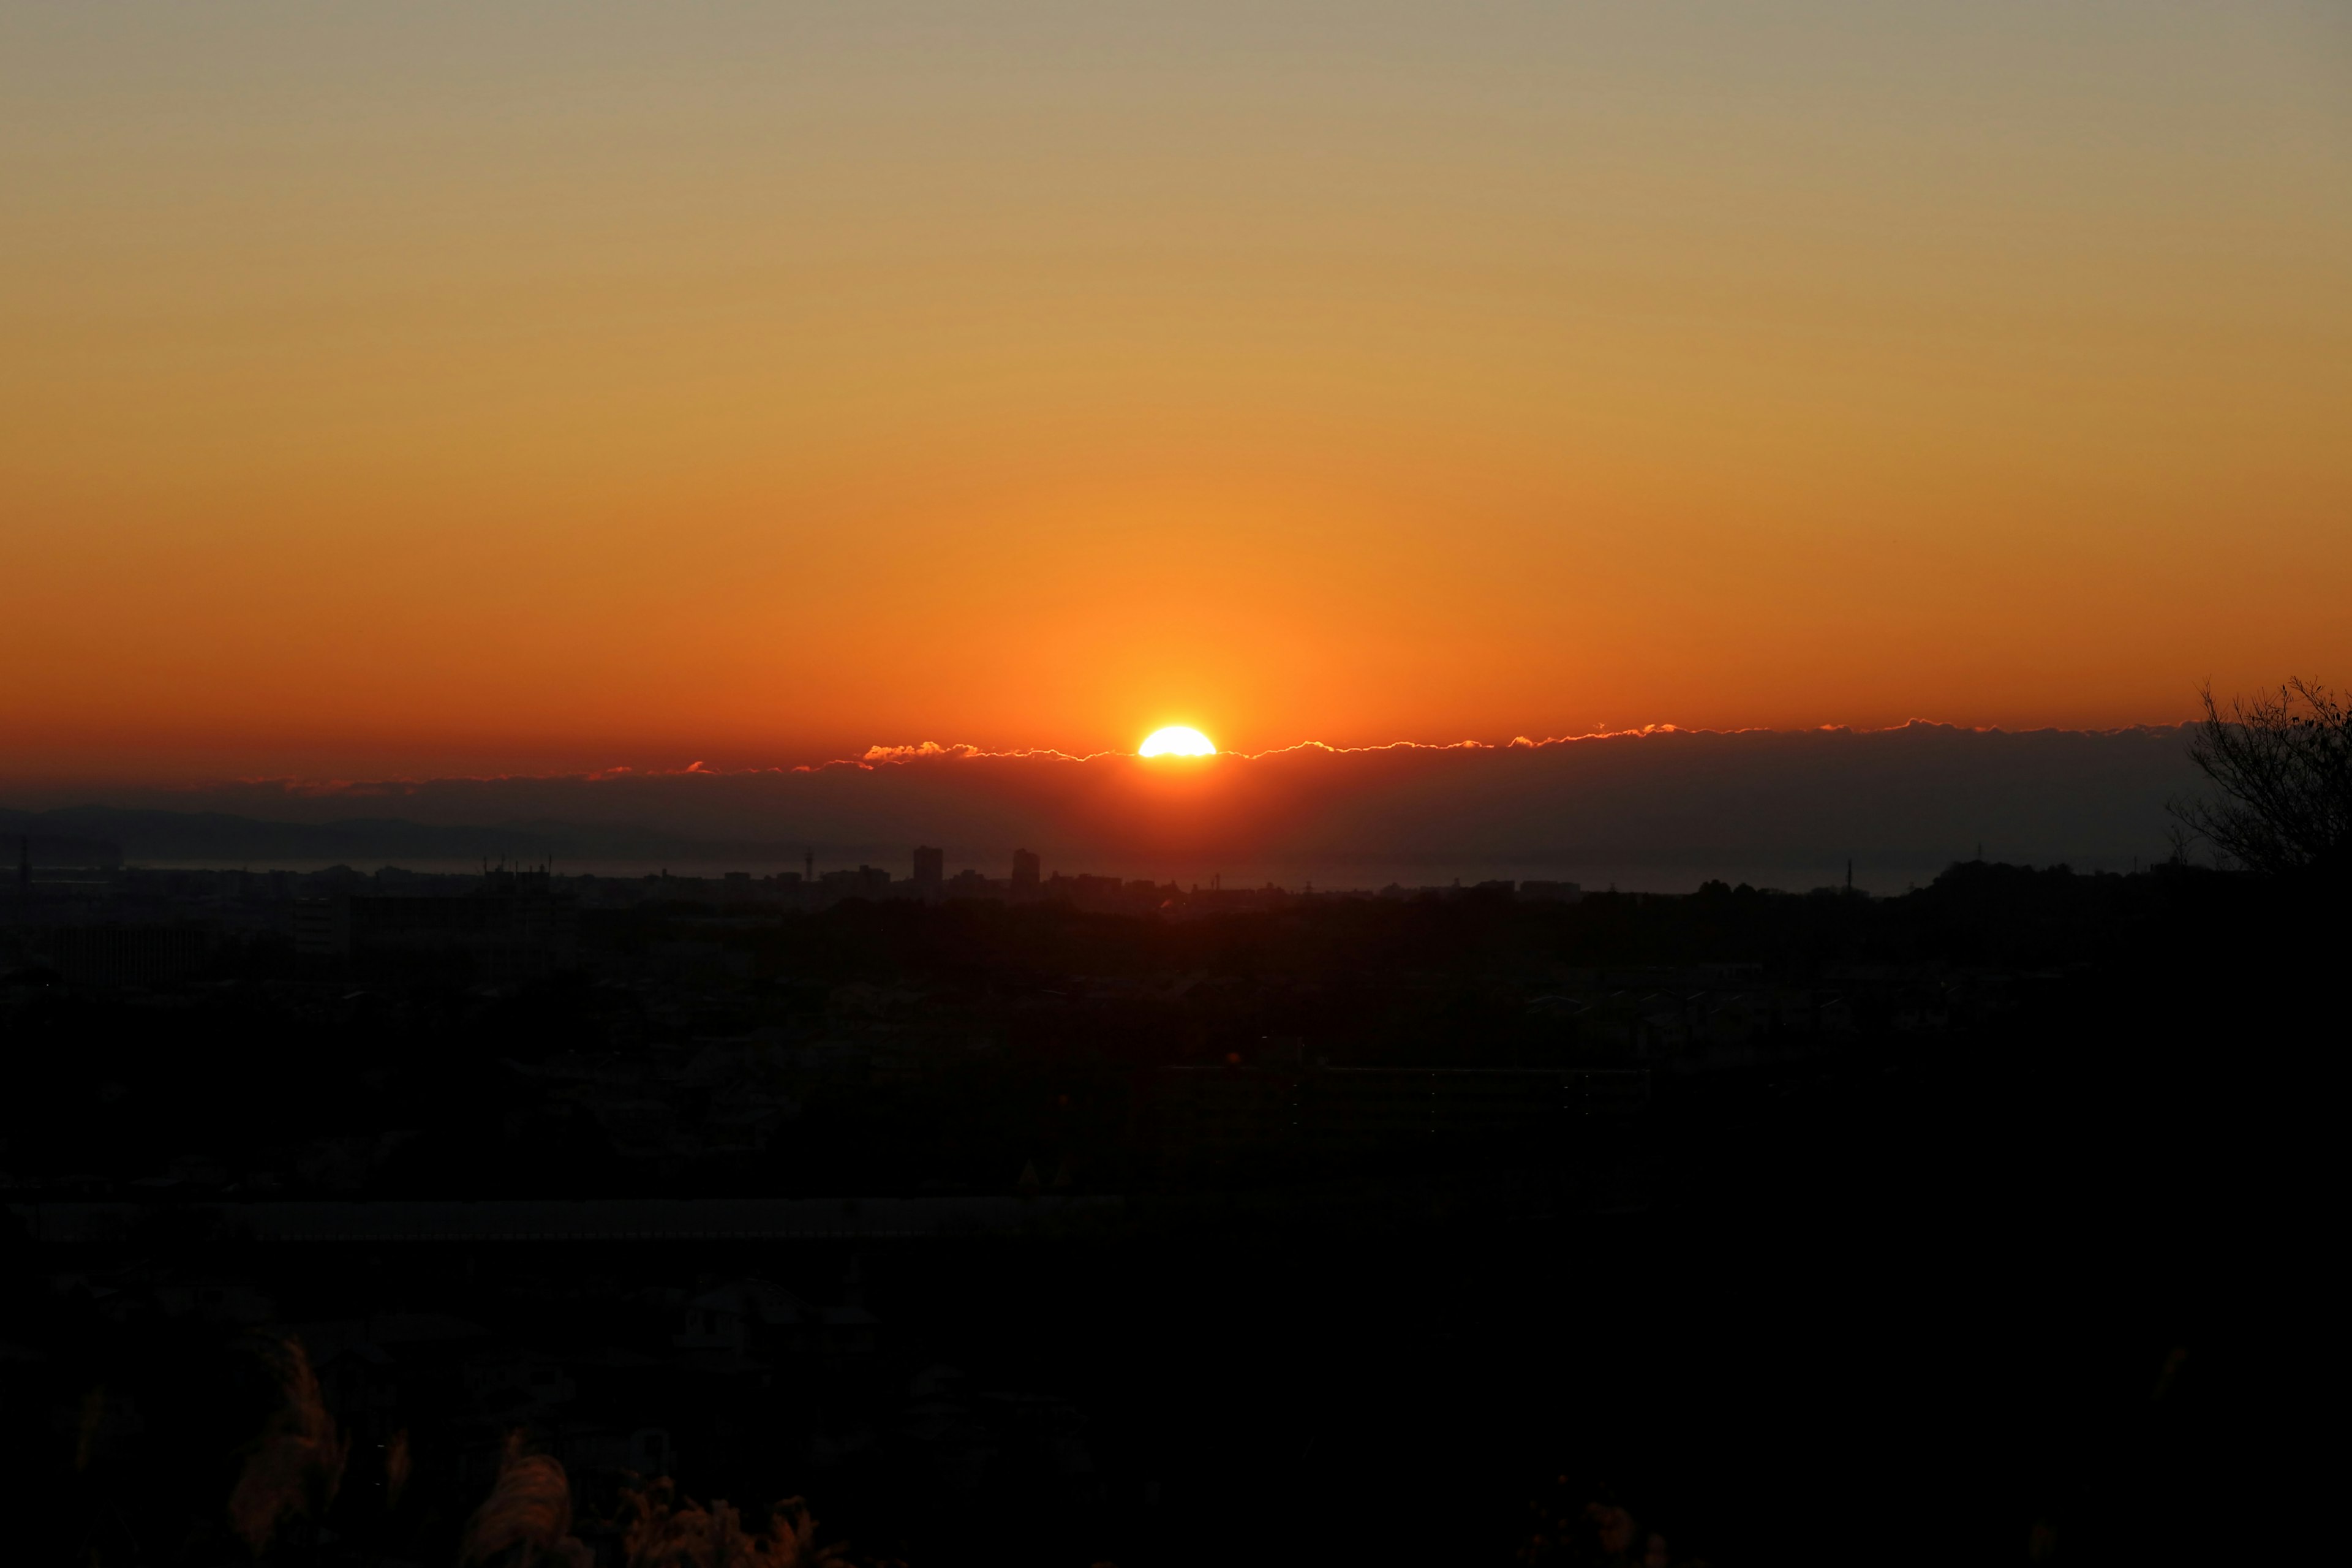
(1025, 868)
(930, 866)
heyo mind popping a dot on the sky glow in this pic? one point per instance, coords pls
(401, 391)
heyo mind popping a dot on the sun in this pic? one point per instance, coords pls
(1176, 741)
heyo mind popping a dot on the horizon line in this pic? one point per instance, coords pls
(885, 755)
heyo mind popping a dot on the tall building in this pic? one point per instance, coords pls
(930, 866)
(1025, 868)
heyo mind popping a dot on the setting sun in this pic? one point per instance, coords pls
(1176, 741)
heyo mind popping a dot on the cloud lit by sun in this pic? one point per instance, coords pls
(1177, 740)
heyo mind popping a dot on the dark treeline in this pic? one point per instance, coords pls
(1907, 1247)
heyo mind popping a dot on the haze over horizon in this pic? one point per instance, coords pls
(36, 783)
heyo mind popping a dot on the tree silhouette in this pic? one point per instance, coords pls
(2281, 765)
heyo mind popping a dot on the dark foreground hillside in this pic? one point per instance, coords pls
(1743, 1227)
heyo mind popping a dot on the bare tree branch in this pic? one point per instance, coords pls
(2281, 765)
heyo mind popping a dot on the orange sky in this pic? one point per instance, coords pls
(425, 391)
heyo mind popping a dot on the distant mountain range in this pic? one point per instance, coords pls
(1667, 807)
(75, 836)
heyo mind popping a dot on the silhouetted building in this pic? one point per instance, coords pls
(930, 866)
(113, 955)
(322, 927)
(1088, 891)
(514, 924)
(1024, 870)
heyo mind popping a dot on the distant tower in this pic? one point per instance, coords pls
(24, 863)
(808, 864)
(1025, 868)
(930, 866)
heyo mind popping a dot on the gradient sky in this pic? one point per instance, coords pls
(417, 388)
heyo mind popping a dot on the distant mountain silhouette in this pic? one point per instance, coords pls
(1915, 797)
(221, 838)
